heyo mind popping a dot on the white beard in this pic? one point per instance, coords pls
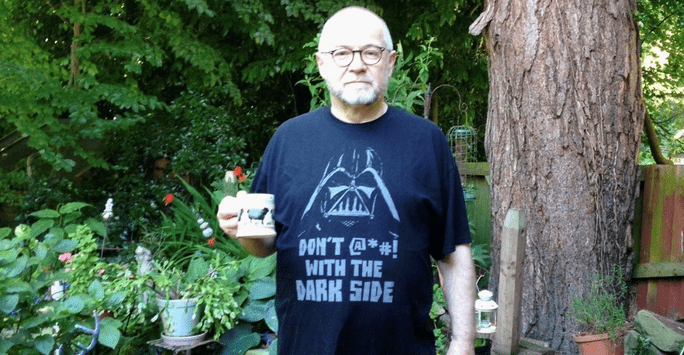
(365, 95)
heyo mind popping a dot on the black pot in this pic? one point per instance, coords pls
(486, 349)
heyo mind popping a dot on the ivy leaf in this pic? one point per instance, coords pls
(4, 232)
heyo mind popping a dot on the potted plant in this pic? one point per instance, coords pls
(602, 312)
(483, 346)
(206, 296)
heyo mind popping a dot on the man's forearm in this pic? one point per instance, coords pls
(458, 273)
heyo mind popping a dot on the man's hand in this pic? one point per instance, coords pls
(228, 221)
(227, 216)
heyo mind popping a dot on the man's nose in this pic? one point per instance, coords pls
(357, 63)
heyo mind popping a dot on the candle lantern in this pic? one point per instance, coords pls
(485, 309)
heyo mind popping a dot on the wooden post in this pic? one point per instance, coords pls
(510, 283)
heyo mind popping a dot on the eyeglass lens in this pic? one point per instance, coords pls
(369, 56)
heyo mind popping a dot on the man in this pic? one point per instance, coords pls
(364, 195)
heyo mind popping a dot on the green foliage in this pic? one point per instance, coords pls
(30, 262)
(213, 279)
(258, 308)
(601, 309)
(660, 23)
(182, 234)
(13, 186)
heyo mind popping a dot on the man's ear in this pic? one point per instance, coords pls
(321, 65)
(391, 60)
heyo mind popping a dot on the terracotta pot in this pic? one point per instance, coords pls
(599, 344)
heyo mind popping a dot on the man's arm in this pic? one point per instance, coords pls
(458, 274)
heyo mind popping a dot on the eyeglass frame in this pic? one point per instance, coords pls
(353, 52)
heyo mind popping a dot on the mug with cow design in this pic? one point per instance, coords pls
(255, 215)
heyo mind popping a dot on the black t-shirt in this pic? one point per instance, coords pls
(359, 210)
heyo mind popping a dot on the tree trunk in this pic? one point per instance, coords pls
(563, 131)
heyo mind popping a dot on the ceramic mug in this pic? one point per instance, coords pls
(255, 215)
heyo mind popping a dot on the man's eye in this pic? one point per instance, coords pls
(342, 54)
(371, 53)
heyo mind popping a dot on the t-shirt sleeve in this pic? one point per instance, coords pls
(456, 229)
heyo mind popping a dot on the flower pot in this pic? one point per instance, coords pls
(599, 344)
(188, 341)
(179, 317)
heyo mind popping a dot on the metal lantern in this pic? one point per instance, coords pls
(485, 309)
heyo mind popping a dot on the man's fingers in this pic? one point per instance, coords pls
(227, 215)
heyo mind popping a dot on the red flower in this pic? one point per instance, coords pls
(211, 242)
(239, 174)
(168, 199)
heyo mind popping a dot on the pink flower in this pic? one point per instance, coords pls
(101, 271)
(65, 258)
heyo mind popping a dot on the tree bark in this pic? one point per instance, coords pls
(563, 130)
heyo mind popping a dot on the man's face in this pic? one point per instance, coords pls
(358, 83)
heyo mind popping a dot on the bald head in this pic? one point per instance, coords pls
(351, 21)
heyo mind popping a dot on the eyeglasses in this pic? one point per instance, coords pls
(370, 55)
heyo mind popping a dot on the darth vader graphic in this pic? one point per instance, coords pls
(351, 194)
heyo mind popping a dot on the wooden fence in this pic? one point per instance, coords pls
(659, 232)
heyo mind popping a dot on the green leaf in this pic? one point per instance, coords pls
(264, 287)
(8, 303)
(65, 246)
(97, 226)
(44, 343)
(7, 256)
(37, 321)
(46, 213)
(41, 251)
(254, 311)
(239, 339)
(115, 299)
(41, 226)
(16, 267)
(96, 290)
(73, 304)
(109, 334)
(257, 268)
(18, 287)
(5, 232)
(271, 318)
(72, 206)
